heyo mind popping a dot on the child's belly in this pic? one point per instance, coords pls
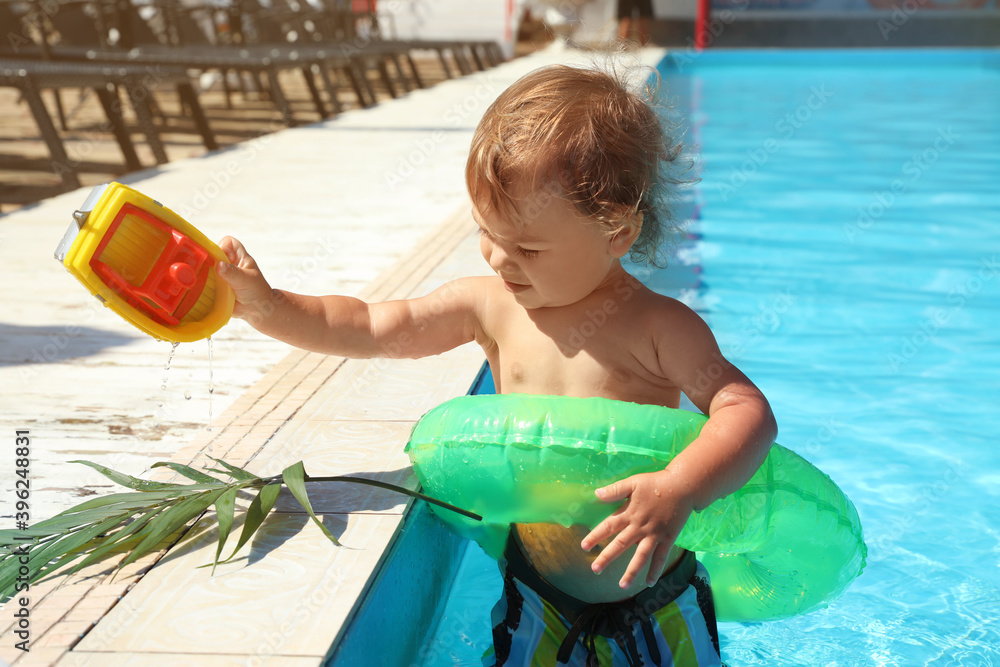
(555, 553)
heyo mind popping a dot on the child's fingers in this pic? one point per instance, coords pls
(619, 545)
(620, 490)
(229, 246)
(606, 528)
(657, 562)
(231, 274)
(245, 287)
(643, 554)
(241, 270)
(237, 253)
(615, 491)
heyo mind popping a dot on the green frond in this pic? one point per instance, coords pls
(256, 513)
(120, 538)
(137, 523)
(188, 472)
(171, 521)
(128, 480)
(225, 508)
(294, 477)
(236, 473)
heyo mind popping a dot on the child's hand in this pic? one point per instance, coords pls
(253, 293)
(652, 516)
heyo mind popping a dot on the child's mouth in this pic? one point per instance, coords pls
(514, 287)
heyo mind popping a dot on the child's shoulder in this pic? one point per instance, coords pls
(477, 292)
(665, 315)
(659, 305)
(477, 286)
(472, 285)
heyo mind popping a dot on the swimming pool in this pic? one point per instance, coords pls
(845, 253)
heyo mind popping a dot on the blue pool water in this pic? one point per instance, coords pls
(845, 253)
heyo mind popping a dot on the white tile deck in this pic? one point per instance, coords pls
(354, 205)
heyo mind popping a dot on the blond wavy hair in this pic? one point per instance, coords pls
(582, 134)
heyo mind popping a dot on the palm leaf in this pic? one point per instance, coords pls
(188, 472)
(11, 539)
(128, 480)
(234, 472)
(63, 552)
(294, 477)
(225, 507)
(136, 498)
(172, 520)
(256, 513)
(63, 522)
(62, 549)
(120, 538)
(92, 510)
(138, 522)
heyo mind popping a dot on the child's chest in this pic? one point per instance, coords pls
(577, 353)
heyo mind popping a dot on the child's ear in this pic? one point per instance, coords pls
(625, 237)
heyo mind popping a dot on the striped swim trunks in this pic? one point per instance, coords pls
(672, 623)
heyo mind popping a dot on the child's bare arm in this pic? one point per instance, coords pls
(350, 327)
(730, 448)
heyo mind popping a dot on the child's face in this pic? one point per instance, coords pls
(553, 256)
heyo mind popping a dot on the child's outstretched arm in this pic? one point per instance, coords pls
(730, 448)
(350, 327)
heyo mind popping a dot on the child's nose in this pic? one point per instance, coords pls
(498, 259)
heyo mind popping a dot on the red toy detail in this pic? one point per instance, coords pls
(175, 279)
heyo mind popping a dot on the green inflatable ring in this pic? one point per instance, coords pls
(788, 542)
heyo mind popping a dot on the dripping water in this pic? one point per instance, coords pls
(163, 384)
(211, 383)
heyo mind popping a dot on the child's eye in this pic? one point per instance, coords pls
(523, 252)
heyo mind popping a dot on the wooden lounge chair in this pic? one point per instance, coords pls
(28, 42)
(335, 24)
(185, 27)
(85, 28)
(32, 76)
